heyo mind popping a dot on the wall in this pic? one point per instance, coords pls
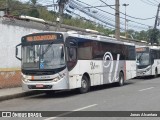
(10, 36)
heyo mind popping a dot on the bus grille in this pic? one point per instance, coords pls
(44, 87)
(41, 80)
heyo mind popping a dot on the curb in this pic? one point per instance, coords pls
(18, 95)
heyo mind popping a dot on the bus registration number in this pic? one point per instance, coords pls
(39, 86)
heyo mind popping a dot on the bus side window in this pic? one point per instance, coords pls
(72, 54)
(152, 59)
(153, 56)
(71, 51)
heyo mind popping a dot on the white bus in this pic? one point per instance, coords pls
(148, 60)
(64, 61)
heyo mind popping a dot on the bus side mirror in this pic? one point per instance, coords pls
(17, 52)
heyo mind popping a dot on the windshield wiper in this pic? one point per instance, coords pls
(44, 52)
(140, 56)
(31, 48)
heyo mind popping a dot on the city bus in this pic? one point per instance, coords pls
(148, 60)
(54, 61)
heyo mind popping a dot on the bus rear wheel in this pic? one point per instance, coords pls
(121, 79)
(85, 86)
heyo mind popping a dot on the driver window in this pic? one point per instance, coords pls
(71, 49)
(72, 53)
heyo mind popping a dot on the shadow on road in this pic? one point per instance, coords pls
(63, 94)
(146, 78)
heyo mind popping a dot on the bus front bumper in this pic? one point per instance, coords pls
(45, 85)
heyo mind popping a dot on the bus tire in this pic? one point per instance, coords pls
(121, 79)
(156, 73)
(85, 86)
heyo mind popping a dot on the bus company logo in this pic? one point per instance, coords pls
(6, 114)
(109, 64)
(107, 58)
(93, 65)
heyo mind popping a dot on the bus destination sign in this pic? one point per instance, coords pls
(41, 38)
(140, 49)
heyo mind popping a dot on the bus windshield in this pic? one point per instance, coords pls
(142, 58)
(47, 56)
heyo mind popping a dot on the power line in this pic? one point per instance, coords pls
(151, 2)
(84, 17)
(104, 18)
(132, 26)
(110, 14)
(128, 15)
(114, 15)
(148, 3)
(156, 1)
(80, 8)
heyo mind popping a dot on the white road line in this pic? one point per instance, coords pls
(79, 109)
(146, 89)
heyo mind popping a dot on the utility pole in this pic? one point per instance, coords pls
(54, 5)
(125, 5)
(155, 32)
(117, 19)
(61, 4)
(155, 25)
(7, 7)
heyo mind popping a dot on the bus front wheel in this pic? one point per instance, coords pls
(84, 85)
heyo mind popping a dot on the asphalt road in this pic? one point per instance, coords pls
(135, 95)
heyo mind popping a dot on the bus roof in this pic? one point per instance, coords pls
(90, 36)
(99, 38)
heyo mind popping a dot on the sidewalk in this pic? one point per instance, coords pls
(10, 93)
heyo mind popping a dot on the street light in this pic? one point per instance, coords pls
(125, 19)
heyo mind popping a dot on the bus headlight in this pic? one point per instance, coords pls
(59, 77)
(24, 79)
(56, 79)
(62, 75)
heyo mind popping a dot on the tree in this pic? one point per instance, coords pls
(34, 2)
(34, 11)
(154, 35)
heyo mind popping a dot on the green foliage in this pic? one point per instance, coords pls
(154, 35)
(44, 14)
(34, 10)
(34, 2)
(34, 13)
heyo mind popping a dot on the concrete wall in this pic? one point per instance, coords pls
(11, 31)
(10, 36)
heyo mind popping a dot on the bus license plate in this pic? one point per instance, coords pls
(39, 86)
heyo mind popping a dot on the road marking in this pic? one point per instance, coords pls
(79, 109)
(146, 89)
